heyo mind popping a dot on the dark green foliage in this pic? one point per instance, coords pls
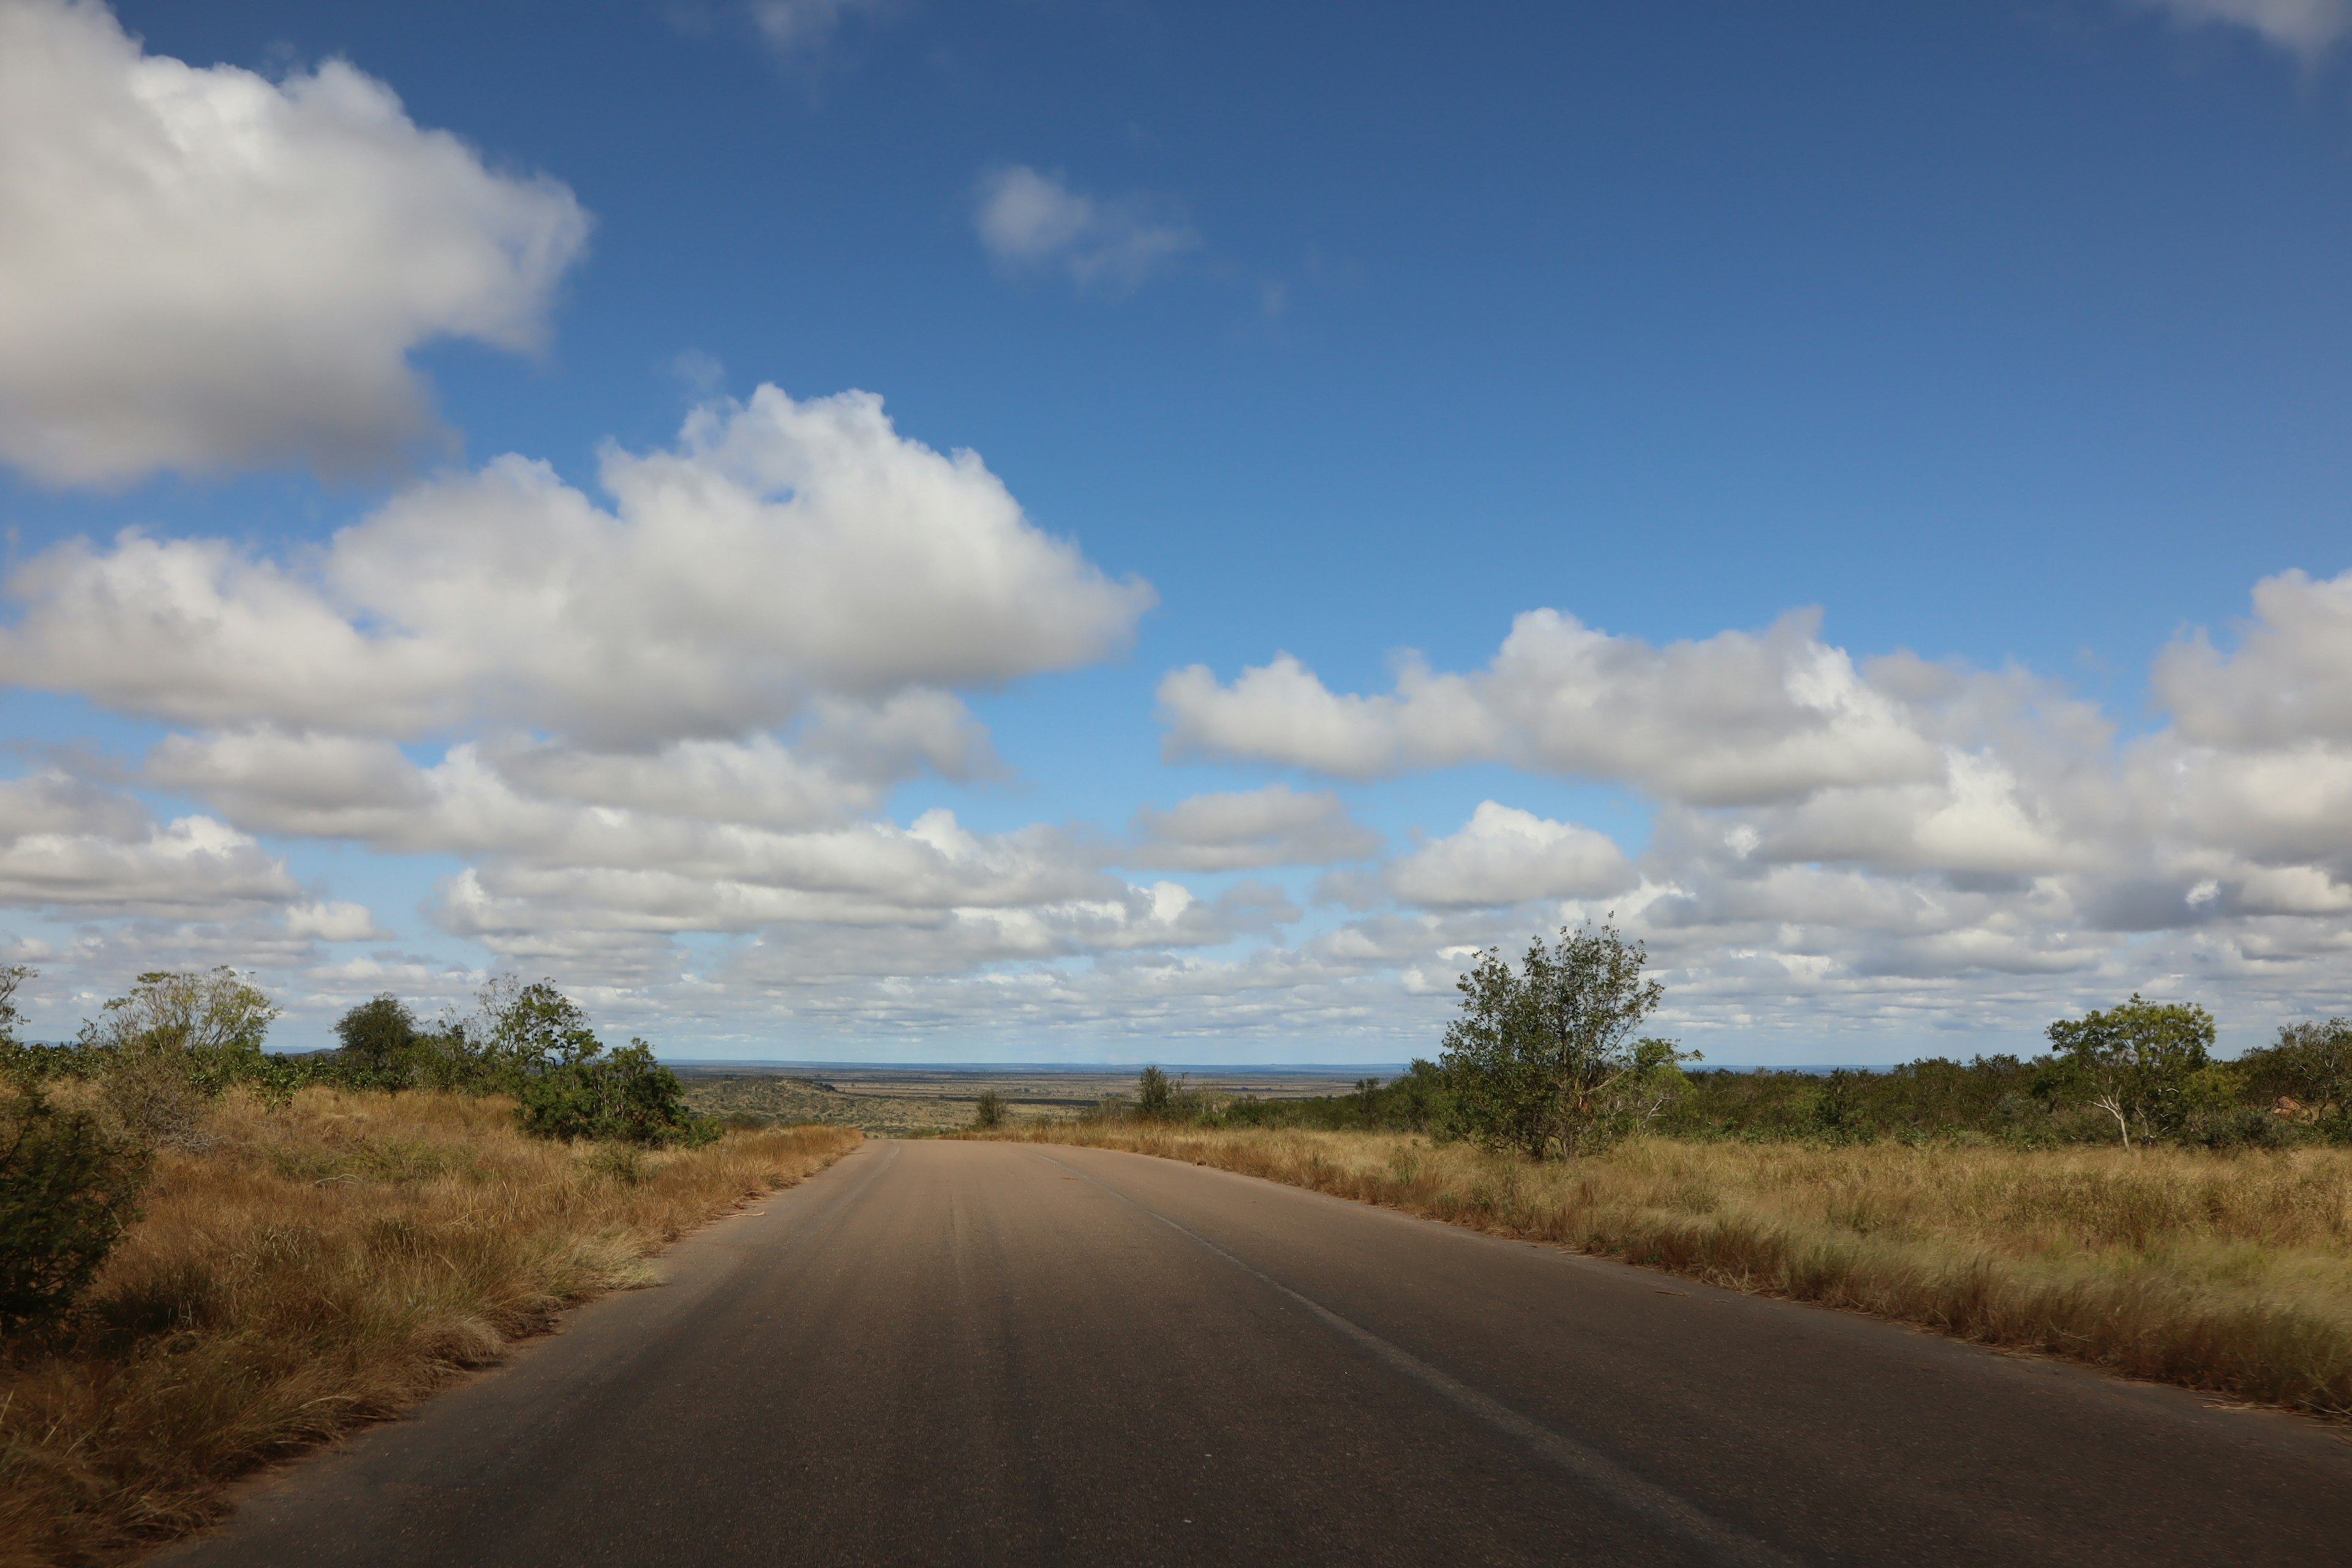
(67, 1189)
(1544, 1059)
(1155, 1094)
(379, 1044)
(623, 1096)
(988, 1110)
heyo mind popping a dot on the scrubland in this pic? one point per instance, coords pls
(302, 1271)
(2225, 1271)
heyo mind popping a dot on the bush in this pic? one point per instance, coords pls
(174, 1044)
(623, 1096)
(1544, 1060)
(988, 1110)
(67, 1189)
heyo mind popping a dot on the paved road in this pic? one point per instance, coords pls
(980, 1353)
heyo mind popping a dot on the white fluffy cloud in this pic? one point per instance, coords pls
(202, 269)
(1882, 843)
(72, 849)
(334, 921)
(1735, 718)
(2308, 27)
(1028, 219)
(783, 552)
(1276, 825)
(1503, 855)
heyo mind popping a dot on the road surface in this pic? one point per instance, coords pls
(943, 1353)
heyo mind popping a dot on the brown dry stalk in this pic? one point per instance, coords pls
(316, 1268)
(2226, 1272)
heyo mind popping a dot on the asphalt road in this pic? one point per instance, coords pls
(978, 1354)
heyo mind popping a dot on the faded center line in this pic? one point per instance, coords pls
(1645, 1499)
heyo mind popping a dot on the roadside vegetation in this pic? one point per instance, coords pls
(2125, 1199)
(210, 1258)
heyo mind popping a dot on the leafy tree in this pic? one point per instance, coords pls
(988, 1110)
(524, 1032)
(176, 1041)
(379, 1048)
(2135, 1061)
(1155, 1095)
(1545, 1059)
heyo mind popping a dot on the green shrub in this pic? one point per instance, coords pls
(1544, 1059)
(988, 1110)
(67, 1189)
(623, 1096)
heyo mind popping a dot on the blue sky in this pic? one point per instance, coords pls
(2012, 337)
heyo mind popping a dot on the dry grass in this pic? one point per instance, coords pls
(2227, 1272)
(307, 1271)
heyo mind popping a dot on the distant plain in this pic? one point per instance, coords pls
(910, 1101)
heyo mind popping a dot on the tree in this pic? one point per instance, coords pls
(524, 1032)
(1155, 1094)
(988, 1110)
(1541, 1060)
(379, 1043)
(176, 1041)
(2135, 1061)
(2310, 1063)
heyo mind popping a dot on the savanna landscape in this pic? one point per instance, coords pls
(212, 1257)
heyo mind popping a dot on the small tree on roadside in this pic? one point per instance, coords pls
(523, 1032)
(175, 1043)
(2135, 1061)
(1543, 1059)
(622, 1095)
(988, 1110)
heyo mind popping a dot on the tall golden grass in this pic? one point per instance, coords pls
(2227, 1272)
(301, 1271)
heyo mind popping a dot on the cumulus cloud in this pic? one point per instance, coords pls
(1276, 825)
(2307, 27)
(1026, 219)
(781, 552)
(1737, 718)
(1503, 855)
(334, 921)
(201, 269)
(2289, 680)
(70, 847)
